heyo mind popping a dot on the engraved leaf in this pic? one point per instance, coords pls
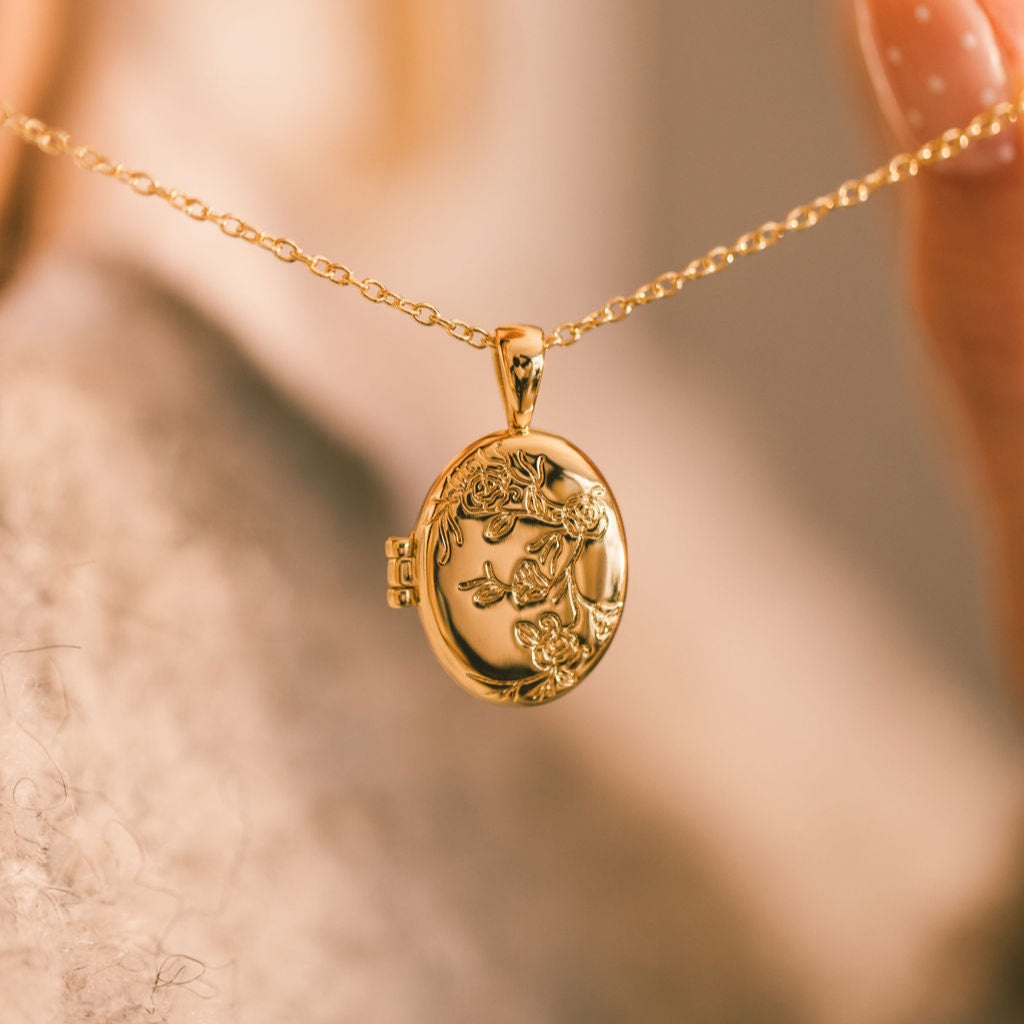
(500, 525)
(526, 633)
(448, 529)
(547, 547)
(564, 678)
(604, 617)
(488, 594)
(524, 470)
(488, 580)
(556, 550)
(444, 548)
(558, 590)
(534, 503)
(538, 545)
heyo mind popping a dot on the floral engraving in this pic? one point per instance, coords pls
(555, 651)
(490, 485)
(502, 489)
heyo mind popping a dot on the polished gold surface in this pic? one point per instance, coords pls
(519, 361)
(904, 166)
(518, 567)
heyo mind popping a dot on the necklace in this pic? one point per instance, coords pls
(517, 562)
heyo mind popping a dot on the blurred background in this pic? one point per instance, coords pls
(792, 792)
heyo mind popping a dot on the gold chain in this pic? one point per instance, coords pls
(952, 143)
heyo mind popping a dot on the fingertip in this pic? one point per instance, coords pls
(934, 65)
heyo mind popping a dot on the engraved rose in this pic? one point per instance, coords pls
(584, 516)
(554, 648)
(486, 490)
(529, 585)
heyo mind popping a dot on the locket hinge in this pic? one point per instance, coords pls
(402, 591)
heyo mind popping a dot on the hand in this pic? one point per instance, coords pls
(934, 65)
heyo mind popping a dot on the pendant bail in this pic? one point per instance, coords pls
(519, 359)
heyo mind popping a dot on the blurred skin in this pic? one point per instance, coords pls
(413, 104)
(970, 283)
(968, 271)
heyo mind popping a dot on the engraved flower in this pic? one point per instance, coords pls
(554, 649)
(584, 515)
(529, 584)
(486, 489)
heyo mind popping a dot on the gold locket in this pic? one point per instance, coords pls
(517, 562)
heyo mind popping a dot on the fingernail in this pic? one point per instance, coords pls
(935, 64)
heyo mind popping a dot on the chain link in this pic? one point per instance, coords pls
(904, 166)
(851, 193)
(56, 142)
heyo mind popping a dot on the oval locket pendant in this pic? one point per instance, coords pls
(517, 562)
